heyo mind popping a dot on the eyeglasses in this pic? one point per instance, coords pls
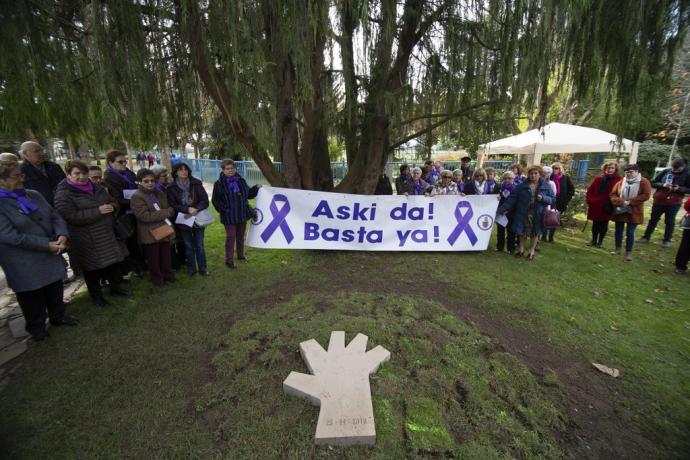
(446, 177)
(122, 162)
(148, 181)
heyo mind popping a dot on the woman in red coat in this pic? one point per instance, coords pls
(599, 207)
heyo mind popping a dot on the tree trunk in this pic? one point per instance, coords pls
(190, 19)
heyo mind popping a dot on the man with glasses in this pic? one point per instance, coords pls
(39, 173)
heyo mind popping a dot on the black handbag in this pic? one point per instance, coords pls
(124, 227)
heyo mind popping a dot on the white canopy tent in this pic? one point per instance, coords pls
(558, 138)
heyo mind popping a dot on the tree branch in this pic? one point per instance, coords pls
(433, 126)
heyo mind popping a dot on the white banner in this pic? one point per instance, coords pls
(302, 219)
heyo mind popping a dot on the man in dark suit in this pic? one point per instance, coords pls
(40, 174)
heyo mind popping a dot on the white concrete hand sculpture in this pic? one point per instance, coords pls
(340, 385)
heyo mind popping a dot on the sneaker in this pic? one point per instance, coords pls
(628, 256)
(680, 271)
(592, 243)
(643, 240)
(666, 244)
(616, 252)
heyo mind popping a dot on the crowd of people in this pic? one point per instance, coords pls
(114, 222)
(111, 222)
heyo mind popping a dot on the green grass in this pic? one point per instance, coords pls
(196, 370)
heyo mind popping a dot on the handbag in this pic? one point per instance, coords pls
(161, 232)
(552, 218)
(204, 218)
(123, 227)
(620, 210)
(685, 222)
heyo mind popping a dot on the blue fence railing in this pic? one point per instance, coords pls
(209, 170)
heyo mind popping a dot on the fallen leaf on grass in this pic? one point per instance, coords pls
(613, 372)
(613, 328)
(596, 293)
(649, 300)
(283, 262)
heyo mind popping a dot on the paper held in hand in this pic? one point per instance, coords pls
(502, 220)
(127, 194)
(185, 219)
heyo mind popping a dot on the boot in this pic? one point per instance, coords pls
(628, 256)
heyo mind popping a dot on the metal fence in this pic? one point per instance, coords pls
(209, 170)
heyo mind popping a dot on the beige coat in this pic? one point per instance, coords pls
(636, 204)
(147, 216)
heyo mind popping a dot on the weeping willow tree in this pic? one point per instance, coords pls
(288, 75)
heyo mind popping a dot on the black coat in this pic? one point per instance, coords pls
(567, 192)
(199, 196)
(232, 207)
(92, 239)
(115, 185)
(470, 189)
(383, 186)
(44, 184)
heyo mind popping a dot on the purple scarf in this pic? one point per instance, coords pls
(557, 180)
(517, 180)
(86, 187)
(505, 187)
(417, 187)
(19, 195)
(405, 177)
(129, 178)
(152, 197)
(489, 185)
(232, 183)
(161, 187)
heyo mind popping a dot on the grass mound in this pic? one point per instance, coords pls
(446, 391)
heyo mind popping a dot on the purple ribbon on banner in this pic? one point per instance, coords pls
(463, 223)
(279, 216)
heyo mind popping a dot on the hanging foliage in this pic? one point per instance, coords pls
(286, 76)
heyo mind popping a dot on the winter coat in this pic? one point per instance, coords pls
(148, 217)
(116, 185)
(567, 192)
(196, 189)
(92, 239)
(408, 187)
(400, 184)
(44, 184)
(518, 203)
(598, 203)
(664, 197)
(232, 207)
(383, 186)
(24, 254)
(636, 215)
(492, 189)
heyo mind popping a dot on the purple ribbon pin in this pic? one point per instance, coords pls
(279, 216)
(463, 223)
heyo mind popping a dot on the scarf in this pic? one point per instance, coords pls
(557, 178)
(184, 185)
(630, 188)
(517, 180)
(85, 187)
(125, 177)
(152, 197)
(417, 187)
(405, 177)
(507, 189)
(604, 184)
(19, 195)
(161, 187)
(480, 188)
(490, 185)
(232, 183)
